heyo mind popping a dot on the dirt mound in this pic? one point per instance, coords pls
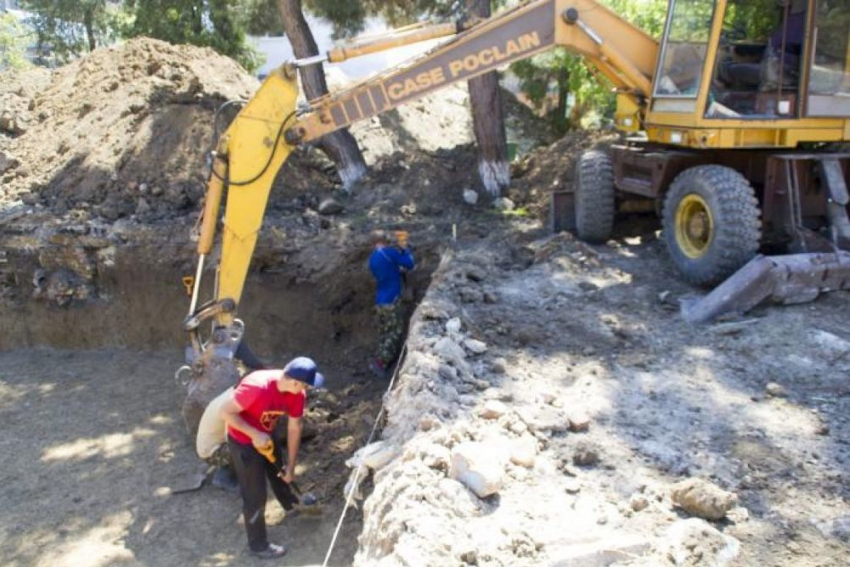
(16, 92)
(552, 167)
(422, 156)
(442, 121)
(125, 131)
(122, 131)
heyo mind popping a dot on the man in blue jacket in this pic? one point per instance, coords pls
(388, 264)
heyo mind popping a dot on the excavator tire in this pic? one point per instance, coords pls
(711, 223)
(594, 197)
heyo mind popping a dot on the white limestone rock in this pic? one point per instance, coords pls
(475, 346)
(493, 409)
(524, 451)
(449, 350)
(478, 467)
(695, 543)
(453, 325)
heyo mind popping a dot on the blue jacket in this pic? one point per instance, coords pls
(386, 264)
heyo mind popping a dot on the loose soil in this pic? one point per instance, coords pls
(91, 480)
(606, 398)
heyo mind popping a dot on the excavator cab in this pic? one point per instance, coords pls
(760, 69)
(759, 56)
(828, 78)
(752, 73)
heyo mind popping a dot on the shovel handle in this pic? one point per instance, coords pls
(268, 452)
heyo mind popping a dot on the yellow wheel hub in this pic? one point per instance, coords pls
(694, 226)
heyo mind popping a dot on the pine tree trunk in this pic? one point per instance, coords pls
(88, 23)
(197, 21)
(561, 122)
(488, 121)
(340, 146)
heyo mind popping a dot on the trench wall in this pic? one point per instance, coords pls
(132, 296)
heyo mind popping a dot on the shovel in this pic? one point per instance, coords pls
(308, 503)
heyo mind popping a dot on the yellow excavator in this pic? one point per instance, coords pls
(730, 119)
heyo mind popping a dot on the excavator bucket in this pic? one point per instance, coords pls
(794, 278)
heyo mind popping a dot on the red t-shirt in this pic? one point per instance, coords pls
(263, 404)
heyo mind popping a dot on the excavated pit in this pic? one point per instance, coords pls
(101, 172)
(97, 364)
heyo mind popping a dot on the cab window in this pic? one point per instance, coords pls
(829, 79)
(759, 60)
(685, 47)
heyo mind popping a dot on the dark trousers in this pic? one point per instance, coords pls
(252, 470)
(390, 321)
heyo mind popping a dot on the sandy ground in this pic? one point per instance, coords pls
(95, 442)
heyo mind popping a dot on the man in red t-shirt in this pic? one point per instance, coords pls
(251, 412)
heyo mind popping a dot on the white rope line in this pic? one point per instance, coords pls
(350, 495)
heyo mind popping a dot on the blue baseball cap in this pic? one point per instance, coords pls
(304, 370)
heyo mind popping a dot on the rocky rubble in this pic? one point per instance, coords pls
(693, 543)
(567, 448)
(452, 402)
(7, 162)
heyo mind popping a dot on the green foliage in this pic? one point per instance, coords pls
(260, 17)
(648, 15)
(555, 74)
(752, 19)
(71, 27)
(519, 212)
(14, 37)
(349, 16)
(219, 24)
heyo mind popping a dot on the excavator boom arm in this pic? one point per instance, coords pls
(623, 53)
(261, 137)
